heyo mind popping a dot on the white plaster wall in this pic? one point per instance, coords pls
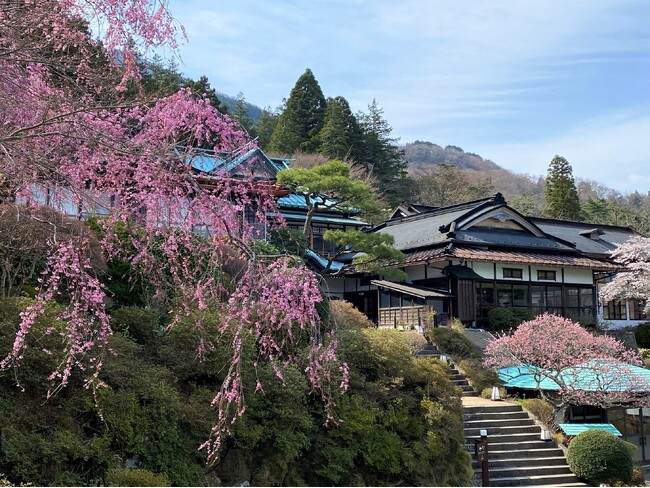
(485, 270)
(579, 276)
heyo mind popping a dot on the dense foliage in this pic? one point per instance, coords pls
(507, 318)
(642, 335)
(400, 423)
(600, 457)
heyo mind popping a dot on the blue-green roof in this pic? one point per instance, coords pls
(322, 262)
(323, 219)
(575, 429)
(298, 201)
(594, 375)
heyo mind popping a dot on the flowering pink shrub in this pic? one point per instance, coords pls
(563, 357)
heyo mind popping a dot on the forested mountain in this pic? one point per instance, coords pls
(420, 153)
(231, 102)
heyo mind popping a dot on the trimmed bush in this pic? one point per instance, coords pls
(452, 342)
(642, 335)
(506, 318)
(600, 457)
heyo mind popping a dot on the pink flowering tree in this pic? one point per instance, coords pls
(634, 282)
(74, 136)
(569, 365)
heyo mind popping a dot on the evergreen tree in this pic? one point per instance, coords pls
(302, 120)
(340, 136)
(202, 87)
(562, 201)
(160, 78)
(381, 154)
(240, 114)
(264, 127)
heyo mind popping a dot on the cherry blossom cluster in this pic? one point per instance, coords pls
(584, 368)
(72, 139)
(634, 281)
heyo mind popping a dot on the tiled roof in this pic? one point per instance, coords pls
(577, 232)
(510, 257)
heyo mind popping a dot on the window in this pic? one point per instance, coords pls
(615, 310)
(578, 302)
(546, 275)
(513, 273)
(636, 310)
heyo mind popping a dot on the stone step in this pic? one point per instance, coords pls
(505, 430)
(540, 452)
(501, 422)
(538, 480)
(527, 462)
(496, 408)
(468, 415)
(511, 446)
(523, 471)
(455, 376)
(470, 394)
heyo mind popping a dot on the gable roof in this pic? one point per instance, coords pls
(247, 159)
(488, 222)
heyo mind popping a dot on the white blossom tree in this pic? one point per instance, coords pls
(634, 282)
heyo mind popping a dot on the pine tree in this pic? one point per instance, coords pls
(202, 87)
(380, 153)
(302, 120)
(340, 136)
(562, 201)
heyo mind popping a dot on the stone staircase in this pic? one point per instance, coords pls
(516, 455)
(431, 351)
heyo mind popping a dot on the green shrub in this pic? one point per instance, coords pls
(506, 318)
(138, 323)
(135, 477)
(452, 342)
(343, 315)
(600, 457)
(479, 377)
(642, 335)
(415, 340)
(542, 411)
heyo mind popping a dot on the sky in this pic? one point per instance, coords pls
(516, 81)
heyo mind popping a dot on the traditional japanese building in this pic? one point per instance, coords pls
(464, 260)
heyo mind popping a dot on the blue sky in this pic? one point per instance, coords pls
(514, 81)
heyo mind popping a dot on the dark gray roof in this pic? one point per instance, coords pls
(578, 233)
(424, 229)
(509, 238)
